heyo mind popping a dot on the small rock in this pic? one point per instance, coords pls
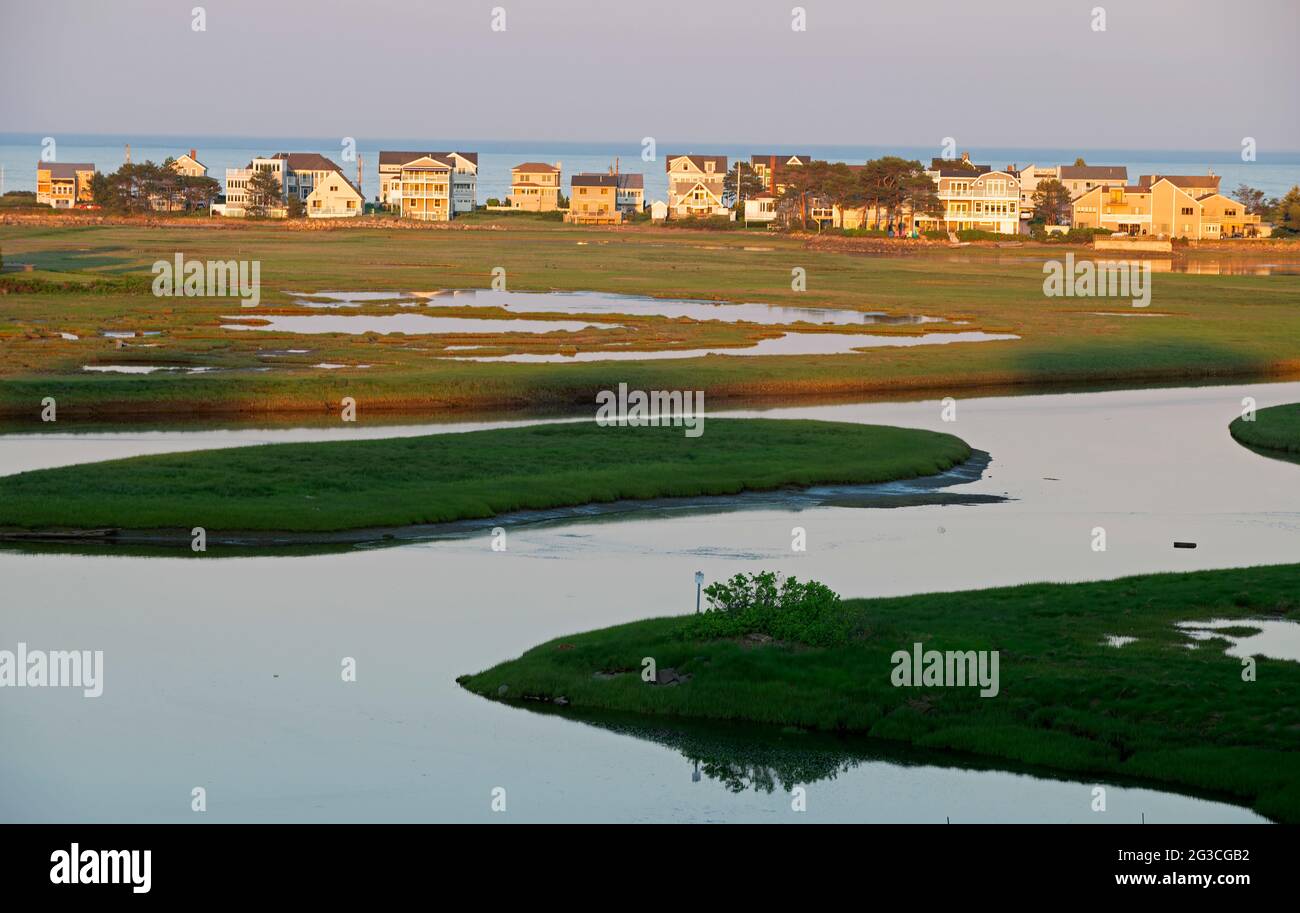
(501, 692)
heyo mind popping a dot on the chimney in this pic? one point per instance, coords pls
(194, 154)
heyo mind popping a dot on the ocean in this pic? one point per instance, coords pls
(1273, 172)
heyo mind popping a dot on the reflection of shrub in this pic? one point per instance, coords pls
(785, 609)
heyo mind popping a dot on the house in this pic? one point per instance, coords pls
(299, 174)
(631, 193)
(535, 187)
(423, 189)
(760, 208)
(334, 197)
(974, 197)
(188, 164)
(695, 185)
(1224, 217)
(462, 167)
(63, 185)
(1167, 206)
(1079, 179)
(593, 200)
(773, 170)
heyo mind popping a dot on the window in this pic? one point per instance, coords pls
(1187, 211)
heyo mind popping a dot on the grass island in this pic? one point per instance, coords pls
(404, 481)
(1163, 707)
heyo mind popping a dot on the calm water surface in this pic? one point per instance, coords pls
(224, 672)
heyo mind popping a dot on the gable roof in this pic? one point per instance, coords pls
(346, 183)
(1094, 173)
(392, 157)
(1182, 181)
(307, 161)
(781, 159)
(698, 161)
(630, 180)
(536, 167)
(63, 171)
(434, 164)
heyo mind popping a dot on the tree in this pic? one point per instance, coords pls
(1286, 212)
(1051, 202)
(741, 184)
(296, 208)
(1252, 199)
(262, 192)
(1080, 163)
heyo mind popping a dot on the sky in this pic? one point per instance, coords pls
(1164, 74)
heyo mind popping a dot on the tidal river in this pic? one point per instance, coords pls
(224, 673)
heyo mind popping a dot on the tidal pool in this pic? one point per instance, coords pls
(1271, 638)
(788, 344)
(596, 303)
(409, 324)
(225, 672)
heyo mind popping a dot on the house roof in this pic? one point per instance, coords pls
(64, 170)
(593, 180)
(307, 161)
(390, 157)
(1094, 173)
(631, 180)
(956, 171)
(1182, 180)
(698, 161)
(780, 159)
(536, 167)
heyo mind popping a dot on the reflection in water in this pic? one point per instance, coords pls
(745, 758)
(927, 490)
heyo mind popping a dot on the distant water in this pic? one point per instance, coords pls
(1273, 172)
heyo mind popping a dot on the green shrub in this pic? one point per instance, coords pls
(765, 603)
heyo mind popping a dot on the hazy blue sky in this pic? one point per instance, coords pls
(1169, 74)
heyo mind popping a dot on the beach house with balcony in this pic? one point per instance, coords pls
(462, 170)
(593, 200)
(1166, 206)
(974, 197)
(63, 185)
(299, 174)
(535, 187)
(695, 185)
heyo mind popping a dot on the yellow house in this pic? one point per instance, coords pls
(334, 197)
(64, 185)
(424, 189)
(1168, 206)
(1225, 217)
(593, 199)
(535, 187)
(188, 164)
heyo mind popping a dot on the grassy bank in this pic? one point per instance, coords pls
(1152, 709)
(1213, 326)
(352, 485)
(1275, 429)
